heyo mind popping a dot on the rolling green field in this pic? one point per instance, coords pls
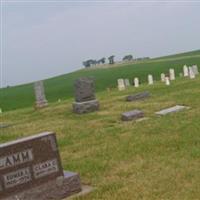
(61, 87)
(155, 159)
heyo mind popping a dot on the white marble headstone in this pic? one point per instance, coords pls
(171, 74)
(136, 82)
(191, 73)
(185, 71)
(150, 79)
(167, 81)
(195, 69)
(121, 85)
(127, 82)
(162, 77)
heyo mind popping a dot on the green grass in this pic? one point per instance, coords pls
(153, 159)
(61, 87)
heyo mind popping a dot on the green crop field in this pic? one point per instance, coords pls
(154, 159)
(61, 87)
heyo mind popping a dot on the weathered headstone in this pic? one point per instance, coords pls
(162, 77)
(40, 95)
(136, 82)
(132, 115)
(138, 96)
(171, 110)
(171, 74)
(191, 73)
(150, 79)
(185, 71)
(127, 82)
(30, 168)
(85, 100)
(167, 81)
(121, 85)
(195, 69)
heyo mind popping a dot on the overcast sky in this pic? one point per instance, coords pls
(41, 39)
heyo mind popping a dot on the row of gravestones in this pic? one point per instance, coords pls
(190, 72)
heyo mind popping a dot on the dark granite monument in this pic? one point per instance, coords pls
(138, 96)
(40, 95)
(132, 115)
(30, 169)
(85, 100)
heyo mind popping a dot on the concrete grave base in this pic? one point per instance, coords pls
(85, 107)
(41, 104)
(57, 189)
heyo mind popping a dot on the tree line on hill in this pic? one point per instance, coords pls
(127, 58)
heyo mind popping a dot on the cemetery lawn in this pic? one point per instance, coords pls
(155, 159)
(61, 87)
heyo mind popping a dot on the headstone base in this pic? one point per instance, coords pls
(85, 107)
(57, 189)
(41, 104)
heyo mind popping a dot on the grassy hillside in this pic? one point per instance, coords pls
(153, 159)
(61, 87)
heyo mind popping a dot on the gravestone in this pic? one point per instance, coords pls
(30, 168)
(136, 82)
(195, 69)
(40, 95)
(162, 77)
(127, 82)
(185, 71)
(171, 110)
(167, 81)
(191, 73)
(121, 85)
(85, 100)
(171, 74)
(132, 115)
(150, 79)
(138, 96)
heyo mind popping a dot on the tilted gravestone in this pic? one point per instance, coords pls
(138, 96)
(40, 95)
(30, 168)
(85, 100)
(132, 115)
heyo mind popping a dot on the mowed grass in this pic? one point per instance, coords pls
(61, 87)
(155, 159)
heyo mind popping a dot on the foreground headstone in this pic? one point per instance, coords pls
(138, 96)
(171, 74)
(185, 71)
(136, 82)
(127, 82)
(30, 168)
(173, 109)
(85, 100)
(132, 115)
(41, 100)
(121, 85)
(150, 79)
(191, 73)
(162, 77)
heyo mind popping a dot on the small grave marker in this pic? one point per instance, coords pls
(136, 82)
(173, 109)
(150, 79)
(121, 85)
(132, 115)
(138, 96)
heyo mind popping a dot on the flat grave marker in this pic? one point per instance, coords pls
(138, 96)
(132, 115)
(173, 109)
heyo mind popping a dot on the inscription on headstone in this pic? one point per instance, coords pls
(28, 163)
(40, 95)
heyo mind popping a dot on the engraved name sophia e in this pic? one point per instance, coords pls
(16, 159)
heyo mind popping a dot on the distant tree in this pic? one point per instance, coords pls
(111, 59)
(101, 61)
(127, 58)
